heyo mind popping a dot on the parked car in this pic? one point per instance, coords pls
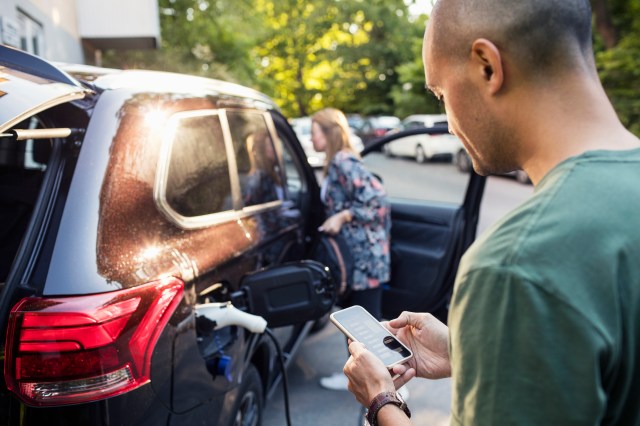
(425, 147)
(136, 211)
(355, 121)
(302, 127)
(374, 127)
(463, 163)
(137, 208)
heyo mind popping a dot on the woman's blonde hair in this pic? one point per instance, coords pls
(335, 127)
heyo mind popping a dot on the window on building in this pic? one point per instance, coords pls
(31, 34)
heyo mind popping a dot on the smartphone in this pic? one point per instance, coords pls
(359, 325)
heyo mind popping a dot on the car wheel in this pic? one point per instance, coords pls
(420, 157)
(463, 162)
(522, 177)
(247, 409)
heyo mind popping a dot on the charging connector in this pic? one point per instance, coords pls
(225, 314)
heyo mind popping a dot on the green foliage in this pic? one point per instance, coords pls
(619, 66)
(317, 53)
(200, 37)
(410, 95)
(619, 70)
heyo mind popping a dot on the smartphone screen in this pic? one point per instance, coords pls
(360, 325)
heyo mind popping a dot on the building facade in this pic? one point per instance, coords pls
(77, 31)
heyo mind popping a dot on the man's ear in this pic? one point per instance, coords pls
(486, 60)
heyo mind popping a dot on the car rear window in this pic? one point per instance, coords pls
(22, 168)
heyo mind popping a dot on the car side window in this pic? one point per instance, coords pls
(198, 181)
(259, 171)
(295, 182)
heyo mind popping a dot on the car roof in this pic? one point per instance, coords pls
(160, 81)
(26, 67)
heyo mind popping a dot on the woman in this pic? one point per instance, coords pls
(356, 207)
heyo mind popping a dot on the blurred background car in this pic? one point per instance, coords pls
(428, 146)
(302, 127)
(355, 121)
(374, 127)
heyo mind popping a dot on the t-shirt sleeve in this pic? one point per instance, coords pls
(521, 355)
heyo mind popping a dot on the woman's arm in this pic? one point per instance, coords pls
(364, 194)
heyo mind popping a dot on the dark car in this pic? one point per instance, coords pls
(374, 127)
(151, 225)
(142, 217)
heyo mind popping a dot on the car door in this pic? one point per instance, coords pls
(434, 216)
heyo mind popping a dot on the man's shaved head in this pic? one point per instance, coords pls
(539, 35)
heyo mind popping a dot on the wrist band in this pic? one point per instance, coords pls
(380, 401)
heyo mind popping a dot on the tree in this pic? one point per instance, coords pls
(344, 54)
(617, 45)
(208, 38)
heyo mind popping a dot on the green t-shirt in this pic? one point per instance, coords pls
(545, 314)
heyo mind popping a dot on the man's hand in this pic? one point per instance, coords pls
(367, 375)
(428, 339)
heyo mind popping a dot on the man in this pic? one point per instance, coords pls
(544, 323)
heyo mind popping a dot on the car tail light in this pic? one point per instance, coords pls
(380, 132)
(70, 350)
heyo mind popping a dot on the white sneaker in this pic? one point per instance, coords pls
(337, 381)
(404, 392)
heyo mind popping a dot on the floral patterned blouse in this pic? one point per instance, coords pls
(349, 185)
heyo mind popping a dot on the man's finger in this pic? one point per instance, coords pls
(356, 348)
(404, 378)
(405, 318)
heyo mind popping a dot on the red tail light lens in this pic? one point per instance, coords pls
(79, 349)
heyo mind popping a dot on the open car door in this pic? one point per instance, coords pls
(434, 212)
(32, 89)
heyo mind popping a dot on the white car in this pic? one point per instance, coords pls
(302, 127)
(425, 147)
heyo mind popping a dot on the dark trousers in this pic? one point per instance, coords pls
(370, 299)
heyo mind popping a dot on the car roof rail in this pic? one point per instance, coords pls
(30, 64)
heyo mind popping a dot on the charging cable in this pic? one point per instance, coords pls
(225, 314)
